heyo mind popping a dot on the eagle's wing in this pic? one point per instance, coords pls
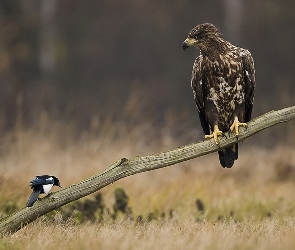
(249, 74)
(198, 90)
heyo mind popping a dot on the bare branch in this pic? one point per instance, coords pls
(126, 167)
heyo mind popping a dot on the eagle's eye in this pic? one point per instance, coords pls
(198, 34)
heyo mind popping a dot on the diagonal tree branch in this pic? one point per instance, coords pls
(126, 167)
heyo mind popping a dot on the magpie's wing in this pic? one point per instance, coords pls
(38, 182)
(33, 198)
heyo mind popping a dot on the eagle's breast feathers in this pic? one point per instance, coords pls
(222, 85)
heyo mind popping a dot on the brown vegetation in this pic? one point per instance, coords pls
(196, 203)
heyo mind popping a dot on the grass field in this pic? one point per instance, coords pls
(251, 206)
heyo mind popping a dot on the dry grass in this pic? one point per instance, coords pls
(250, 206)
(185, 234)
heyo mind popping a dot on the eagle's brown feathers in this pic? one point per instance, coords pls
(223, 82)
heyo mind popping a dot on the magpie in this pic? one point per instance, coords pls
(41, 185)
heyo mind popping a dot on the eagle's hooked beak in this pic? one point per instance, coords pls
(188, 42)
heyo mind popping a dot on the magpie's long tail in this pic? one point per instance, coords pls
(227, 156)
(33, 198)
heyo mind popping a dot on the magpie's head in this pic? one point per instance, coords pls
(56, 181)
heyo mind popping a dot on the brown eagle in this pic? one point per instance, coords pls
(223, 83)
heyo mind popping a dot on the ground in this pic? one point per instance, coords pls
(250, 206)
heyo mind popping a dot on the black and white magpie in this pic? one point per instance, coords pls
(41, 185)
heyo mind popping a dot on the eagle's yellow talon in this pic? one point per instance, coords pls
(236, 124)
(215, 134)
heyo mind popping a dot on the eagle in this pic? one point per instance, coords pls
(223, 83)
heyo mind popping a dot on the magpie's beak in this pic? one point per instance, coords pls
(188, 42)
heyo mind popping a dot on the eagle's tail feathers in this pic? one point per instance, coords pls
(227, 156)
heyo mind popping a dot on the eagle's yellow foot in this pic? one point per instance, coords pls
(215, 134)
(236, 124)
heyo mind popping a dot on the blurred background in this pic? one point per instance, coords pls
(96, 63)
(108, 67)
(85, 83)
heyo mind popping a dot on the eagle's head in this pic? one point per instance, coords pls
(201, 36)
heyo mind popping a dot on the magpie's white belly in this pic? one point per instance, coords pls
(47, 188)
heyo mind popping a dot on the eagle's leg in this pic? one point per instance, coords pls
(236, 124)
(215, 134)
